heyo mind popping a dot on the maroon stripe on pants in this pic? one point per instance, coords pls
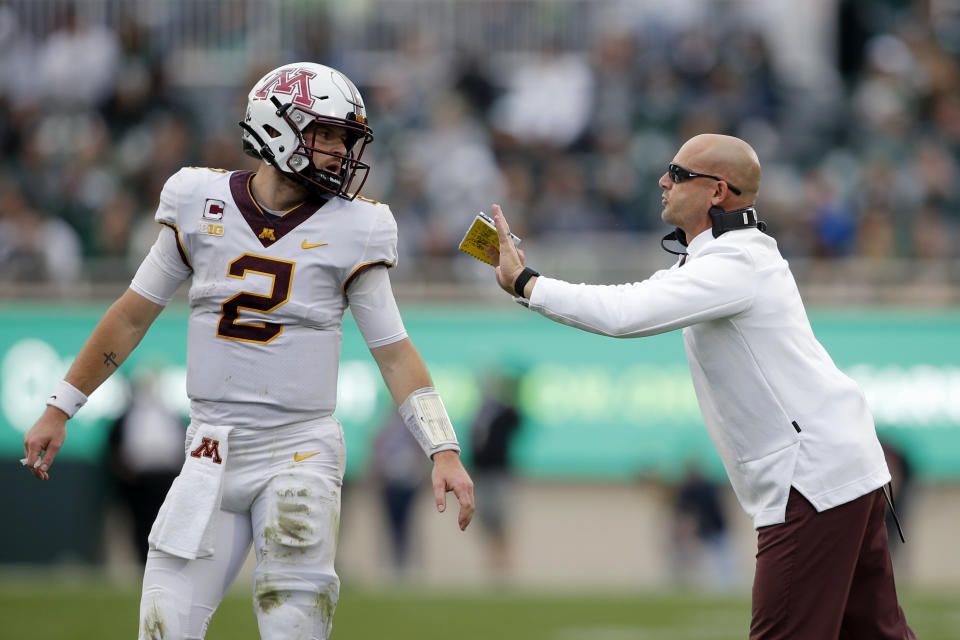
(827, 575)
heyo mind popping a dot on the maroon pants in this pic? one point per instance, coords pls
(827, 576)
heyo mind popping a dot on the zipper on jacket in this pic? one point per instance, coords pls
(796, 426)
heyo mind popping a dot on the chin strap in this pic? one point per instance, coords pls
(263, 151)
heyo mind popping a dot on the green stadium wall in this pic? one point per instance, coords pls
(594, 407)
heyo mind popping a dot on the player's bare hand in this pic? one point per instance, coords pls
(449, 475)
(47, 436)
(509, 260)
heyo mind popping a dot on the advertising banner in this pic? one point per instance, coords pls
(593, 407)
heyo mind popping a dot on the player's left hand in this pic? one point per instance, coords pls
(449, 475)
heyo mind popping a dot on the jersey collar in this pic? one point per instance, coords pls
(267, 229)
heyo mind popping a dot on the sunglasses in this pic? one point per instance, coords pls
(679, 174)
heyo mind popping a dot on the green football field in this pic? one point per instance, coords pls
(63, 608)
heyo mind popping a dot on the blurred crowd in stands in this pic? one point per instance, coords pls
(94, 118)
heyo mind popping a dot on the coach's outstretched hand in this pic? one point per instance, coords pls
(449, 475)
(509, 261)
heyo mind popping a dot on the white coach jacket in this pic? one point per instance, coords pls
(777, 408)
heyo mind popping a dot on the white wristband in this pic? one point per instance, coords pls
(67, 398)
(426, 418)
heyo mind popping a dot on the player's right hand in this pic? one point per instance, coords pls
(509, 260)
(47, 436)
(449, 475)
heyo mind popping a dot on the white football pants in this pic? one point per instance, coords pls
(282, 493)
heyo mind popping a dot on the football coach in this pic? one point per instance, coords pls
(795, 434)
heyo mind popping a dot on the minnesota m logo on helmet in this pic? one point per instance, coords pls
(290, 82)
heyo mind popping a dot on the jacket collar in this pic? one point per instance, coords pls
(696, 246)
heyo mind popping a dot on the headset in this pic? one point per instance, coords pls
(723, 221)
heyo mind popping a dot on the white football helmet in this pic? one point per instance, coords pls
(280, 107)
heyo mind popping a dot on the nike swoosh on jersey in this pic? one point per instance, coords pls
(311, 245)
(299, 458)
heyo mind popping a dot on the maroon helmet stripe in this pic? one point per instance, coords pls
(257, 219)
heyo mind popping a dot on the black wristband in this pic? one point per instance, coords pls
(522, 280)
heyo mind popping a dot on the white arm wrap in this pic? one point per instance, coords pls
(67, 398)
(426, 418)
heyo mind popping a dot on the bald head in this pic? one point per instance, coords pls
(727, 157)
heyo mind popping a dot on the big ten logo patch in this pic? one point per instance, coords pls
(208, 449)
(211, 229)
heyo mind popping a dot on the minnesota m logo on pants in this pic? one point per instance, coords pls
(208, 449)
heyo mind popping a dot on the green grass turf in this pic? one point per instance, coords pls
(83, 608)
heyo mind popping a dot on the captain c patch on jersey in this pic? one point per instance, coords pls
(213, 209)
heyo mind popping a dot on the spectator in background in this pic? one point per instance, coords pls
(616, 92)
(34, 248)
(400, 472)
(146, 453)
(18, 80)
(834, 221)
(530, 113)
(474, 83)
(700, 544)
(86, 109)
(114, 224)
(564, 203)
(463, 170)
(614, 180)
(493, 433)
(77, 63)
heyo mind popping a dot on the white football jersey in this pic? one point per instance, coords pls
(267, 294)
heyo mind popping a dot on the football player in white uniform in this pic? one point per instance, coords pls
(274, 258)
